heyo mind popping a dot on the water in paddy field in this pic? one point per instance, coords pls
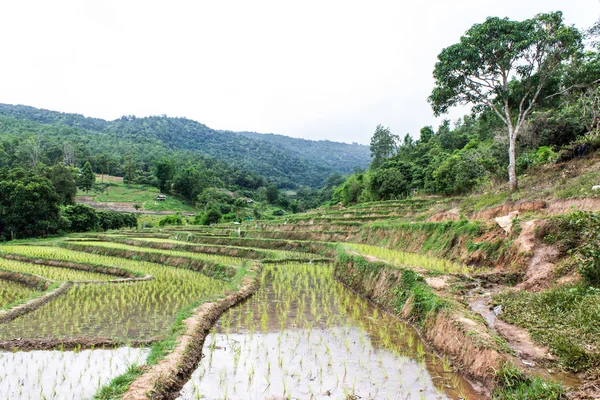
(303, 335)
(63, 374)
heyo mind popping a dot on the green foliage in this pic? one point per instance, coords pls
(513, 384)
(504, 65)
(212, 216)
(458, 173)
(164, 174)
(29, 205)
(119, 385)
(349, 191)
(83, 218)
(391, 181)
(587, 224)
(87, 178)
(171, 220)
(383, 145)
(65, 183)
(242, 160)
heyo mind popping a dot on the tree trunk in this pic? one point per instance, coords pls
(512, 159)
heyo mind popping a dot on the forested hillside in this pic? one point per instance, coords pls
(340, 157)
(277, 160)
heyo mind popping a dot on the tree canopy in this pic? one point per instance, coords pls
(504, 65)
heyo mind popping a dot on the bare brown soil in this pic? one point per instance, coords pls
(68, 344)
(165, 379)
(446, 215)
(505, 209)
(34, 281)
(540, 269)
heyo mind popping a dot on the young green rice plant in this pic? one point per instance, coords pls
(12, 292)
(409, 260)
(53, 273)
(141, 311)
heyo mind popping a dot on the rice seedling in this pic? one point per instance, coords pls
(53, 273)
(62, 374)
(312, 341)
(11, 292)
(409, 260)
(140, 311)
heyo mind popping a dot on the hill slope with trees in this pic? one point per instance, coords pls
(275, 157)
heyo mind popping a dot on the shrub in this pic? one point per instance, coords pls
(171, 220)
(212, 216)
(588, 253)
(83, 218)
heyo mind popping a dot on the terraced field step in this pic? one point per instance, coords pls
(229, 251)
(11, 292)
(141, 311)
(53, 273)
(211, 265)
(311, 248)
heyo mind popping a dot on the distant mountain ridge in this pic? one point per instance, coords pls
(289, 162)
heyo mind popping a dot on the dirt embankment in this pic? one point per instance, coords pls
(34, 281)
(544, 207)
(69, 344)
(165, 379)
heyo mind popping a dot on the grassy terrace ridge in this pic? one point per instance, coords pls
(409, 260)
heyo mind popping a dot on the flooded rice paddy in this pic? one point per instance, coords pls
(303, 335)
(62, 374)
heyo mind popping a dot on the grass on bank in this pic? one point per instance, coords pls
(565, 318)
(513, 384)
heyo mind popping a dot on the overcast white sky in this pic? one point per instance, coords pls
(313, 69)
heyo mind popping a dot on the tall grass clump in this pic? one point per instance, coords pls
(513, 384)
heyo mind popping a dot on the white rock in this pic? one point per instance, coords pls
(596, 187)
(506, 222)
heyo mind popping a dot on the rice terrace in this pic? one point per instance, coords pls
(423, 224)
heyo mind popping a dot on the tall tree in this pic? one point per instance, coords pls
(164, 173)
(503, 65)
(65, 185)
(87, 177)
(383, 145)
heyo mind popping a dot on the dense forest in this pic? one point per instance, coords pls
(274, 157)
(534, 89)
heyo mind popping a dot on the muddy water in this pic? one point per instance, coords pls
(63, 374)
(304, 335)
